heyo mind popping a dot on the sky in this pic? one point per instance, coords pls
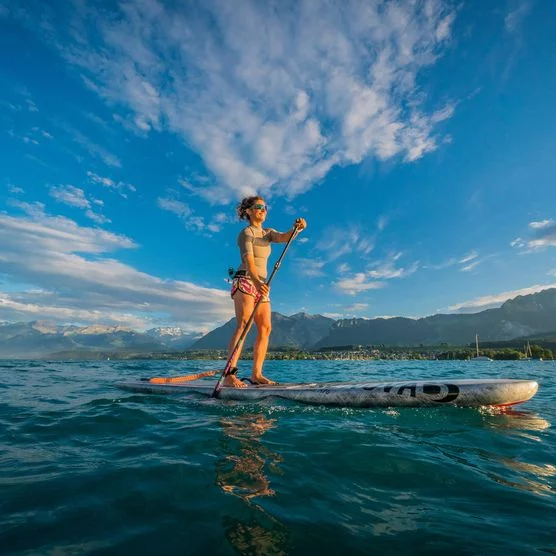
(417, 139)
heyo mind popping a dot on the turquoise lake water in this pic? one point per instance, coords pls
(88, 469)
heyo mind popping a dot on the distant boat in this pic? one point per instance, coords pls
(528, 353)
(479, 357)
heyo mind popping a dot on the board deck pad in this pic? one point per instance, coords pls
(410, 393)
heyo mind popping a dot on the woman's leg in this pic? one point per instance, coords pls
(264, 327)
(243, 304)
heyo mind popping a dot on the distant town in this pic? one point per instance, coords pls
(352, 352)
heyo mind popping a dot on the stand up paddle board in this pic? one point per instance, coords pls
(420, 393)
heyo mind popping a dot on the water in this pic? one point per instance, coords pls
(88, 469)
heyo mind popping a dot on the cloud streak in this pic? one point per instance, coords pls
(271, 95)
(73, 277)
(544, 235)
(75, 197)
(490, 301)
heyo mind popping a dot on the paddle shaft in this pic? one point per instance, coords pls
(245, 330)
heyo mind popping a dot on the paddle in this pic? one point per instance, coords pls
(245, 330)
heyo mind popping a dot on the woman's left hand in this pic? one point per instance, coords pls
(300, 224)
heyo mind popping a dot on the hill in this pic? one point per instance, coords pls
(522, 316)
(300, 330)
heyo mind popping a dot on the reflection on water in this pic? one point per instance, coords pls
(242, 473)
(531, 477)
(513, 419)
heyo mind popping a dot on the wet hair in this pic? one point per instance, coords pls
(246, 203)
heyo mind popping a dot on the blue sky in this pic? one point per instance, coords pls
(416, 138)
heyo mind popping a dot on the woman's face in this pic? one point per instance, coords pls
(257, 212)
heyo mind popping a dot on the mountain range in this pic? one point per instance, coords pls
(520, 317)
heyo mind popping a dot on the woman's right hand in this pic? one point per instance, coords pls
(263, 288)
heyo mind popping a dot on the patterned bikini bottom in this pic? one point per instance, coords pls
(246, 286)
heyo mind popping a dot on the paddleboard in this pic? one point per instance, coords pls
(411, 393)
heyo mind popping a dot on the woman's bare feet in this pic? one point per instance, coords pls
(260, 379)
(234, 382)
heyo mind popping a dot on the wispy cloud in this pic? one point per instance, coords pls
(490, 301)
(358, 283)
(12, 308)
(356, 307)
(542, 225)
(191, 221)
(514, 18)
(94, 149)
(386, 270)
(75, 197)
(121, 187)
(466, 263)
(471, 266)
(375, 276)
(73, 275)
(306, 88)
(336, 242)
(310, 267)
(469, 262)
(544, 235)
(70, 195)
(468, 258)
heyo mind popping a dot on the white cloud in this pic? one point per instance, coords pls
(544, 235)
(310, 267)
(469, 257)
(375, 275)
(386, 270)
(75, 197)
(177, 207)
(94, 149)
(466, 263)
(490, 301)
(271, 99)
(119, 186)
(542, 225)
(14, 310)
(469, 267)
(190, 220)
(73, 276)
(552, 272)
(70, 195)
(336, 242)
(358, 283)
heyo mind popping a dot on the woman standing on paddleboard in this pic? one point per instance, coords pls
(249, 284)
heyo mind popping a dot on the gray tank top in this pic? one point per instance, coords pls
(256, 242)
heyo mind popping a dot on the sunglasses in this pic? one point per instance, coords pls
(259, 207)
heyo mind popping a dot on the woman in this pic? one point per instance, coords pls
(249, 284)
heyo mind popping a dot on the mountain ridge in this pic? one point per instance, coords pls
(519, 317)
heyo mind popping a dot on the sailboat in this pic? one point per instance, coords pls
(479, 357)
(528, 353)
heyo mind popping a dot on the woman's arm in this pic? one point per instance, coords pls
(283, 237)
